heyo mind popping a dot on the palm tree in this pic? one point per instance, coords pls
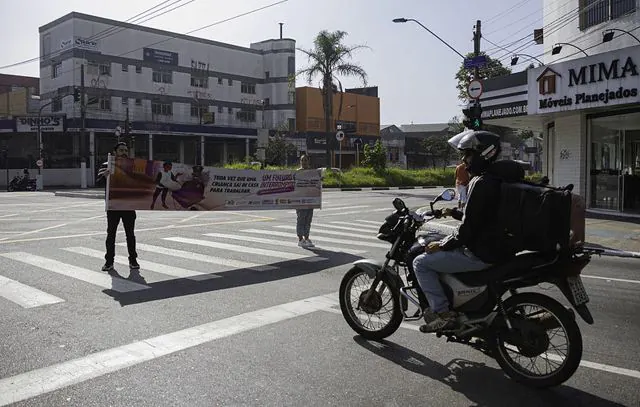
(329, 58)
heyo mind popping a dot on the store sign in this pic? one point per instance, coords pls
(160, 57)
(505, 110)
(29, 124)
(80, 43)
(611, 78)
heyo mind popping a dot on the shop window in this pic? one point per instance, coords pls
(59, 150)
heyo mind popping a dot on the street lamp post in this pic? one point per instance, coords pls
(608, 34)
(404, 20)
(514, 59)
(558, 47)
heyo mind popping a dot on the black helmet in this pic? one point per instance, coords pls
(483, 146)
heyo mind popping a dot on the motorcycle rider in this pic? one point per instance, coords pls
(476, 244)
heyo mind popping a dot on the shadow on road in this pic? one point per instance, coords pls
(483, 385)
(229, 279)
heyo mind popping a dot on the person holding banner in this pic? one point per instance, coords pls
(304, 216)
(113, 219)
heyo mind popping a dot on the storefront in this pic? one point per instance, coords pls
(590, 113)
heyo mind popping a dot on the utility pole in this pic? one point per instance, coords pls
(477, 35)
(83, 109)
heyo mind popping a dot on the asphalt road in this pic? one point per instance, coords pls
(231, 312)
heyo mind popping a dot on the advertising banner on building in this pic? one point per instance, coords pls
(139, 184)
(29, 124)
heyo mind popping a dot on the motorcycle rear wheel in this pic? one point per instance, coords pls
(535, 343)
(370, 309)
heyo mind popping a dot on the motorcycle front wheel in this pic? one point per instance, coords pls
(373, 317)
(545, 347)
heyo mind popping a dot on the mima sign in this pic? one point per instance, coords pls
(599, 72)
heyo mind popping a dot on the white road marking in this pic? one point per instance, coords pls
(41, 381)
(190, 218)
(147, 265)
(9, 215)
(236, 264)
(622, 280)
(366, 229)
(373, 222)
(315, 230)
(100, 279)
(238, 248)
(318, 238)
(25, 296)
(593, 365)
(279, 243)
(336, 208)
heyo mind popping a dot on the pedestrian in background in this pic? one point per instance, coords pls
(462, 182)
(113, 220)
(304, 216)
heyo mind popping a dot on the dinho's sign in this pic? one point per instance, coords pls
(29, 124)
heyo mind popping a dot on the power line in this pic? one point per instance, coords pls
(506, 11)
(95, 36)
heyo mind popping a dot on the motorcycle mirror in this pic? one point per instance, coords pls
(398, 204)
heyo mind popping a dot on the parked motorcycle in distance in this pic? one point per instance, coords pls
(18, 184)
(519, 331)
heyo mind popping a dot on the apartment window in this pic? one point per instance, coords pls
(198, 110)
(594, 12)
(266, 74)
(230, 81)
(199, 82)
(125, 68)
(99, 68)
(230, 110)
(125, 101)
(219, 109)
(56, 70)
(56, 106)
(105, 69)
(105, 103)
(138, 102)
(138, 69)
(162, 76)
(246, 115)
(164, 109)
(249, 88)
(219, 81)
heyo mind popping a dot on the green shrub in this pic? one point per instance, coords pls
(389, 177)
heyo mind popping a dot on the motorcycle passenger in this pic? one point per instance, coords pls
(476, 244)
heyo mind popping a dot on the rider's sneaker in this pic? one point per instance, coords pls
(133, 265)
(108, 267)
(439, 321)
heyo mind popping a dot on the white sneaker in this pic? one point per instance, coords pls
(309, 243)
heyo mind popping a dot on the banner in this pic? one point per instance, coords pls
(139, 184)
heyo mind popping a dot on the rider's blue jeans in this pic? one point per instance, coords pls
(427, 267)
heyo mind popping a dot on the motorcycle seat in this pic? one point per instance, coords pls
(502, 271)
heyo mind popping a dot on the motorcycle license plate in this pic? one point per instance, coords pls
(578, 291)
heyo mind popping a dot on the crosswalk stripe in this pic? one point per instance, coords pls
(366, 229)
(170, 271)
(25, 296)
(363, 221)
(237, 248)
(202, 257)
(88, 276)
(318, 238)
(279, 243)
(335, 208)
(332, 232)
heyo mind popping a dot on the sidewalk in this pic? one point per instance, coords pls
(602, 233)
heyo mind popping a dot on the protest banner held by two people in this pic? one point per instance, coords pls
(140, 184)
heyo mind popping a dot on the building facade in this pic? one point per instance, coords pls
(358, 119)
(178, 97)
(585, 100)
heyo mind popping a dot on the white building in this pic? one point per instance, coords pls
(188, 99)
(584, 100)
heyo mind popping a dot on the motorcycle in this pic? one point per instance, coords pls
(500, 327)
(18, 184)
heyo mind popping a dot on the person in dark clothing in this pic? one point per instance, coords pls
(113, 220)
(476, 244)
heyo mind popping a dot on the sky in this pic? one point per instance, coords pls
(414, 71)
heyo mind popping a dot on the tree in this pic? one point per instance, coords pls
(437, 148)
(464, 76)
(278, 150)
(328, 59)
(375, 157)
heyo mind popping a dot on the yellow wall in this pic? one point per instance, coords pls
(364, 110)
(14, 103)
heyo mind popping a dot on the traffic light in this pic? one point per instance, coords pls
(76, 94)
(473, 116)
